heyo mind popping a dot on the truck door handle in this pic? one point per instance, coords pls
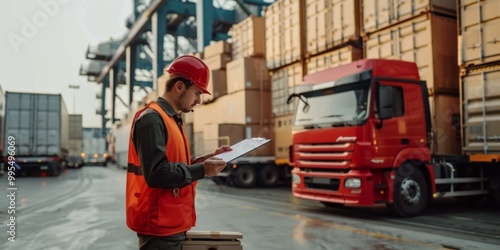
(405, 141)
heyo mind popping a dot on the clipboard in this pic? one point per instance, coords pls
(243, 147)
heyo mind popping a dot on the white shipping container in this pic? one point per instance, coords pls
(479, 32)
(330, 24)
(334, 58)
(248, 38)
(283, 33)
(273, 35)
(427, 40)
(38, 122)
(283, 82)
(379, 14)
(481, 110)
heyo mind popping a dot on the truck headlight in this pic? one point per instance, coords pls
(352, 183)
(295, 178)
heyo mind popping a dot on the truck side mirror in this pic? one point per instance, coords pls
(385, 102)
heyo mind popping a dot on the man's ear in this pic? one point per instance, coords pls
(179, 85)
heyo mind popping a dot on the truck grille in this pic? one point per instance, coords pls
(324, 156)
(322, 183)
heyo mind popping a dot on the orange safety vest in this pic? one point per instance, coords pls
(159, 211)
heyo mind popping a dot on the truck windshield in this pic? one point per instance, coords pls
(344, 105)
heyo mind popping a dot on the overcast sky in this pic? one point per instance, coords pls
(43, 44)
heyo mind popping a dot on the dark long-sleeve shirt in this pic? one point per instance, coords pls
(150, 136)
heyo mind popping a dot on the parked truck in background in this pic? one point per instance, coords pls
(367, 133)
(94, 147)
(39, 125)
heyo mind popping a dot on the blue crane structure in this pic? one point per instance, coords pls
(138, 58)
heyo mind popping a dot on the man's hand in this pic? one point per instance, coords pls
(212, 166)
(222, 149)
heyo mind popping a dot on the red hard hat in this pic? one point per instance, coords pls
(193, 69)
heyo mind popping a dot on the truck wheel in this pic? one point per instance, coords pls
(410, 192)
(244, 177)
(269, 176)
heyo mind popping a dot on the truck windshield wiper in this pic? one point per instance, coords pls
(292, 96)
(311, 126)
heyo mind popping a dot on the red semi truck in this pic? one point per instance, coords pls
(367, 133)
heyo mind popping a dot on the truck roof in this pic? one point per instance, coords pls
(379, 67)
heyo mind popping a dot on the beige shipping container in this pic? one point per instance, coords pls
(330, 24)
(479, 39)
(272, 19)
(481, 110)
(334, 58)
(217, 85)
(205, 114)
(218, 61)
(283, 82)
(229, 134)
(217, 48)
(282, 22)
(380, 14)
(427, 40)
(282, 138)
(187, 118)
(245, 107)
(248, 38)
(444, 109)
(291, 47)
(247, 73)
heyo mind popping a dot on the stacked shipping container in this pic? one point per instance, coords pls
(479, 61)
(423, 32)
(304, 37)
(239, 106)
(75, 135)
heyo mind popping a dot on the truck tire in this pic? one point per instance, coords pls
(410, 192)
(244, 177)
(269, 176)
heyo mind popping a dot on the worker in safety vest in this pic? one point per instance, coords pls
(161, 175)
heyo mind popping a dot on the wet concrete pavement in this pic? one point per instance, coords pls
(84, 209)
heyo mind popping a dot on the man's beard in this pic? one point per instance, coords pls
(183, 109)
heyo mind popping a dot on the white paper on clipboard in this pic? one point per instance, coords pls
(243, 147)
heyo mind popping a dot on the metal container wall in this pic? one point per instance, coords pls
(479, 32)
(216, 135)
(330, 24)
(273, 26)
(75, 127)
(481, 110)
(94, 141)
(38, 122)
(283, 43)
(445, 112)
(380, 14)
(248, 38)
(283, 82)
(248, 107)
(247, 73)
(75, 135)
(428, 40)
(334, 58)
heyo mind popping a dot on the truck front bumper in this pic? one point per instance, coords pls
(331, 187)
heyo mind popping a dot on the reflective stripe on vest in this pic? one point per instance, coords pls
(158, 211)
